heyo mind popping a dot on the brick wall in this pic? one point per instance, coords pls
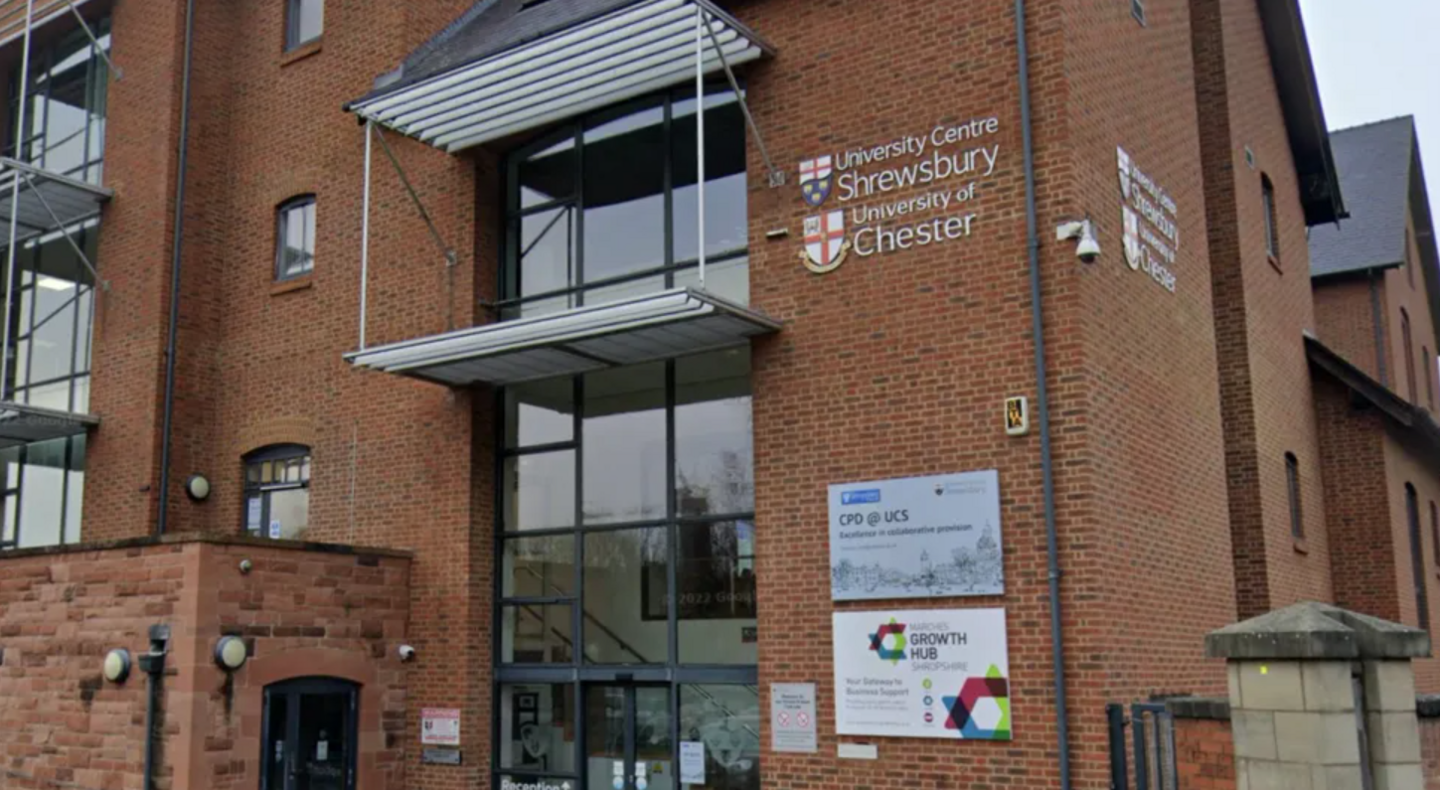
(1430, 745)
(1345, 310)
(302, 610)
(1262, 308)
(1407, 463)
(1205, 754)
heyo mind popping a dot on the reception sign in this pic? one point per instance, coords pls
(916, 537)
(922, 674)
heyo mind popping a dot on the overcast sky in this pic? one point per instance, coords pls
(1377, 59)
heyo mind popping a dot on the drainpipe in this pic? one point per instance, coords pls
(153, 664)
(1042, 406)
(168, 418)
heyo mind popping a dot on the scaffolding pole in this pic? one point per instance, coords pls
(24, 100)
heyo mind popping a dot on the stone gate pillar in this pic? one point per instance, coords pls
(1321, 697)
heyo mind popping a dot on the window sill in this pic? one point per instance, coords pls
(1274, 263)
(300, 53)
(293, 284)
(1301, 547)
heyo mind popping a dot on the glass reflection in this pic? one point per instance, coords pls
(65, 119)
(727, 720)
(540, 412)
(624, 444)
(539, 567)
(726, 221)
(539, 491)
(624, 185)
(624, 575)
(716, 605)
(535, 634)
(714, 454)
(537, 727)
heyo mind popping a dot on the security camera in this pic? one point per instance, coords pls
(1088, 249)
(407, 653)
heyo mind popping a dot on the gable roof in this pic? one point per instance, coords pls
(1374, 162)
(1299, 94)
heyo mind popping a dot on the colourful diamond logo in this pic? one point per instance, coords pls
(982, 710)
(895, 651)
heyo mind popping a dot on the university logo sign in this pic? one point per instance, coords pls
(816, 178)
(1122, 160)
(825, 243)
(1134, 253)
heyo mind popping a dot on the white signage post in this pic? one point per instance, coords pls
(922, 674)
(916, 537)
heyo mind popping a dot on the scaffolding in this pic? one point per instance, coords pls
(41, 205)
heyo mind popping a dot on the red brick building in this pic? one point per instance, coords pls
(436, 405)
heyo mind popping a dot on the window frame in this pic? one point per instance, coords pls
(1417, 558)
(272, 452)
(1294, 493)
(1272, 218)
(1435, 534)
(1429, 376)
(293, 11)
(282, 213)
(1408, 347)
(510, 274)
(1137, 10)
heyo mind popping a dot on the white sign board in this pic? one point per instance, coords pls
(692, 762)
(440, 726)
(792, 717)
(922, 674)
(916, 537)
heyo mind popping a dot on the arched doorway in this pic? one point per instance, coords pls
(309, 735)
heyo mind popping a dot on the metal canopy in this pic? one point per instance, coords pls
(644, 329)
(21, 424)
(631, 52)
(47, 201)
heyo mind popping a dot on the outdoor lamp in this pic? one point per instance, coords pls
(197, 487)
(117, 665)
(230, 653)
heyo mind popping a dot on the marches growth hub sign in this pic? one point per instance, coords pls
(922, 674)
(872, 218)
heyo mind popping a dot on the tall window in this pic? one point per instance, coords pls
(295, 237)
(1409, 350)
(1272, 224)
(1292, 488)
(1435, 533)
(605, 209)
(1429, 377)
(304, 21)
(65, 120)
(53, 296)
(1417, 558)
(277, 491)
(627, 552)
(1409, 269)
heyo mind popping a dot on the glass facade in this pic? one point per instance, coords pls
(52, 292)
(606, 208)
(627, 561)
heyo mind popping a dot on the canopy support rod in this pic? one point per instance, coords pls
(777, 178)
(451, 258)
(94, 42)
(24, 100)
(65, 231)
(701, 24)
(365, 229)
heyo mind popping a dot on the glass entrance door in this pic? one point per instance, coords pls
(629, 740)
(309, 739)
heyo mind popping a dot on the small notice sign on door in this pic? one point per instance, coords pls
(440, 726)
